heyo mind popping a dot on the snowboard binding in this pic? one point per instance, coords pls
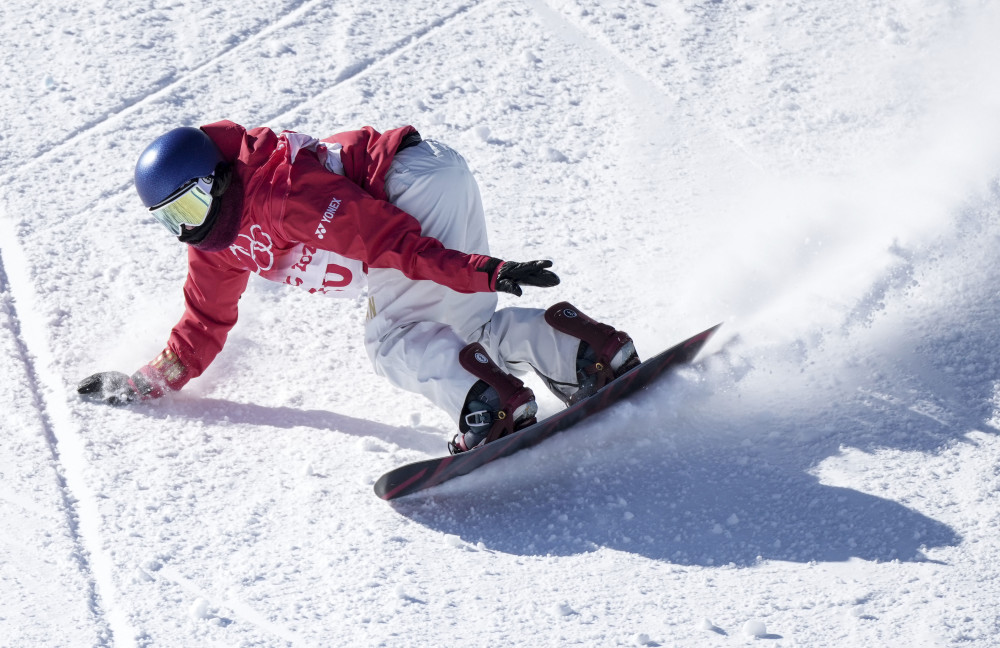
(497, 405)
(604, 353)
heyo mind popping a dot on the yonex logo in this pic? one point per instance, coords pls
(328, 215)
(481, 358)
(569, 313)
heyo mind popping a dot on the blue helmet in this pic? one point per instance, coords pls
(172, 160)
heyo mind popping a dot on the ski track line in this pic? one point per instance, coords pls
(168, 83)
(161, 87)
(79, 503)
(240, 609)
(641, 84)
(356, 71)
(382, 57)
(353, 72)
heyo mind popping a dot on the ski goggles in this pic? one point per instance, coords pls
(189, 206)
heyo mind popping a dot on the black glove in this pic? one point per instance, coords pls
(114, 387)
(529, 273)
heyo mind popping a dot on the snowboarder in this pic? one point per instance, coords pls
(390, 212)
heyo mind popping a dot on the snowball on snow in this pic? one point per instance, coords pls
(706, 624)
(199, 609)
(754, 628)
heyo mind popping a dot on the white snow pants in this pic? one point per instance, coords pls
(415, 329)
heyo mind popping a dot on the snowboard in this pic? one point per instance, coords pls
(431, 472)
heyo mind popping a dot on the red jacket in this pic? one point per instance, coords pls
(301, 224)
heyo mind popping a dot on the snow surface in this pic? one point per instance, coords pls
(824, 177)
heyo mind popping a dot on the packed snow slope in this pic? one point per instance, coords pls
(824, 177)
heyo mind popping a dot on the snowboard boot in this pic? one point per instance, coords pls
(497, 404)
(604, 352)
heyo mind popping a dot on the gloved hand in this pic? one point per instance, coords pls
(514, 274)
(115, 388)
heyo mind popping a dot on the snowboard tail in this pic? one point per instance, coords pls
(431, 472)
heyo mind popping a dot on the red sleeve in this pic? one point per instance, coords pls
(211, 295)
(332, 213)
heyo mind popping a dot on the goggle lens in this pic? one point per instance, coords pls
(188, 206)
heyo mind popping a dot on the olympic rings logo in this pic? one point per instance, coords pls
(258, 248)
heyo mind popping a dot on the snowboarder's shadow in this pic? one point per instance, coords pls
(680, 499)
(702, 510)
(427, 439)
